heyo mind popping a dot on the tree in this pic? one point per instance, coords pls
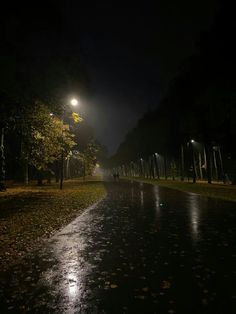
(44, 139)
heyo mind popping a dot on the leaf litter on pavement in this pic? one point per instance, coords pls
(30, 214)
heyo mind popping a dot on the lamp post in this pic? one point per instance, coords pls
(141, 167)
(157, 166)
(74, 102)
(193, 160)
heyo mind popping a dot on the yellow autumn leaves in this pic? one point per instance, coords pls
(76, 117)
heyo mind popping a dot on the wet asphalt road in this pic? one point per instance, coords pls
(143, 249)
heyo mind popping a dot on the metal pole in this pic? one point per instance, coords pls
(62, 154)
(194, 165)
(62, 171)
(157, 166)
(182, 162)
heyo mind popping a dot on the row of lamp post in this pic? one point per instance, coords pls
(151, 167)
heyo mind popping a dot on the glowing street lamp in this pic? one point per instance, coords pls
(190, 144)
(156, 155)
(74, 102)
(193, 161)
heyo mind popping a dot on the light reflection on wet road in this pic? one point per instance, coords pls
(143, 249)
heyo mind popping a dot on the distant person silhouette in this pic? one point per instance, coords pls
(116, 176)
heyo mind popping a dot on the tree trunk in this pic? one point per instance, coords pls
(194, 167)
(68, 168)
(157, 167)
(165, 168)
(152, 167)
(209, 163)
(61, 171)
(40, 178)
(182, 162)
(49, 176)
(200, 164)
(215, 165)
(146, 169)
(57, 171)
(26, 173)
(84, 170)
(221, 165)
(2, 162)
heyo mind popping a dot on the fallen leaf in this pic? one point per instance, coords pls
(166, 284)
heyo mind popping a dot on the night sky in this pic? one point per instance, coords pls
(130, 53)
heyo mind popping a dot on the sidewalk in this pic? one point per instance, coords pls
(216, 189)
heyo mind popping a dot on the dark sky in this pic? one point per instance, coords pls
(130, 52)
(116, 43)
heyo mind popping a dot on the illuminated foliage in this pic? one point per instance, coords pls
(76, 117)
(44, 137)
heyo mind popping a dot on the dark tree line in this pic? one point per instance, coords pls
(199, 104)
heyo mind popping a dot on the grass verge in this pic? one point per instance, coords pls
(28, 214)
(225, 192)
